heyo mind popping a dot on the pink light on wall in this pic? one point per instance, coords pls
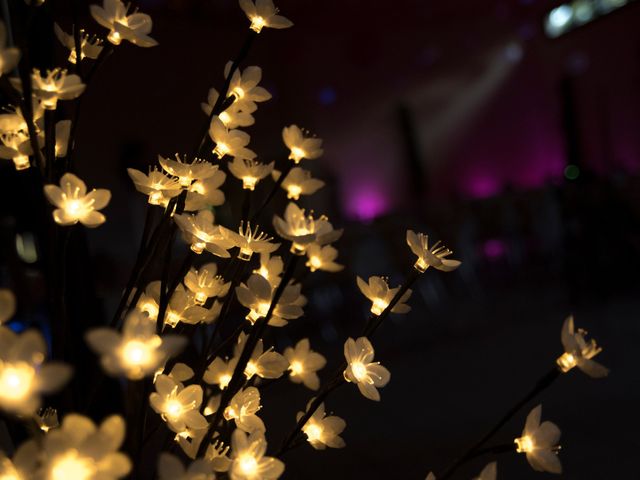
(366, 202)
(481, 185)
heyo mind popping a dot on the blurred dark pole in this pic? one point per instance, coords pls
(570, 124)
(412, 155)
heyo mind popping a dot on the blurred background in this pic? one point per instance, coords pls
(506, 128)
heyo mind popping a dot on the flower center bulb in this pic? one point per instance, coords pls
(136, 353)
(566, 362)
(249, 183)
(16, 381)
(224, 380)
(173, 409)
(297, 154)
(314, 263)
(21, 162)
(257, 23)
(296, 368)
(378, 306)
(421, 265)
(313, 432)
(359, 370)
(72, 466)
(294, 191)
(248, 464)
(524, 444)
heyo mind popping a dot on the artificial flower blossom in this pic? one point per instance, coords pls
(304, 363)
(199, 230)
(187, 172)
(243, 408)
(238, 114)
(24, 375)
(434, 256)
(78, 450)
(206, 192)
(179, 406)
(156, 185)
(540, 443)
(204, 283)
(257, 295)
(377, 290)
(16, 147)
(74, 204)
(299, 182)
(361, 370)
(63, 130)
(90, 46)
(184, 308)
(7, 305)
(249, 241)
(302, 230)
(220, 371)
(171, 468)
(55, 85)
(229, 142)
(134, 28)
(269, 364)
(579, 352)
(248, 460)
(137, 352)
(489, 472)
(249, 171)
(323, 431)
(13, 121)
(271, 267)
(301, 144)
(322, 258)
(9, 56)
(263, 13)
(244, 85)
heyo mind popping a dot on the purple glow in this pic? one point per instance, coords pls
(494, 249)
(366, 203)
(482, 185)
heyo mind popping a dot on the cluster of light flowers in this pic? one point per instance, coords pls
(212, 405)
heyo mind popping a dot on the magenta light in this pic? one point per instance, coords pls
(365, 204)
(494, 249)
(482, 185)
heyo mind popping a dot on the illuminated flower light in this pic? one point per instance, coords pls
(47, 419)
(242, 410)
(238, 114)
(90, 46)
(156, 185)
(219, 372)
(323, 431)
(184, 308)
(322, 258)
(249, 171)
(187, 172)
(149, 300)
(137, 352)
(63, 130)
(204, 283)
(434, 256)
(171, 468)
(579, 352)
(7, 305)
(22, 466)
(489, 472)
(55, 85)
(135, 27)
(229, 142)
(206, 192)
(179, 406)
(299, 182)
(361, 370)
(16, 147)
(249, 241)
(270, 267)
(248, 458)
(24, 375)
(13, 120)
(304, 364)
(267, 364)
(263, 13)
(244, 85)
(540, 443)
(302, 230)
(377, 290)
(9, 56)
(301, 145)
(74, 204)
(199, 230)
(217, 456)
(257, 295)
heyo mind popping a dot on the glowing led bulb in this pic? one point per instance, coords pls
(314, 263)
(257, 23)
(198, 247)
(524, 444)
(225, 117)
(21, 162)
(221, 150)
(248, 464)
(72, 466)
(296, 368)
(359, 370)
(200, 298)
(249, 183)
(173, 409)
(172, 318)
(237, 92)
(297, 154)
(16, 381)
(136, 353)
(259, 312)
(313, 432)
(378, 305)
(224, 380)
(294, 191)
(114, 37)
(251, 369)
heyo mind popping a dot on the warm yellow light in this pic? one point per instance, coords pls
(297, 154)
(200, 298)
(224, 380)
(251, 369)
(294, 191)
(155, 198)
(524, 444)
(21, 162)
(72, 466)
(314, 263)
(421, 265)
(198, 246)
(230, 413)
(249, 183)
(173, 409)
(225, 117)
(16, 380)
(566, 362)
(248, 464)
(136, 353)
(296, 368)
(114, 37)
(378, 306)
(313, 432)
(150, 307)
(221, 149)
(257, 23)
(237, 92)
(260, 311)
(297, 248)
(172, 318)
(359, 371)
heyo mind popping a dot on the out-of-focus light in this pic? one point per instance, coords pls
(367, 204)
(583, 11)
(571, 15)
(571, 172)
(26, 247)
(560, 16)
(494, 249)
(327, 96)
(513, 52)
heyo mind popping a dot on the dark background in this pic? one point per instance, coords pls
(454, 118)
